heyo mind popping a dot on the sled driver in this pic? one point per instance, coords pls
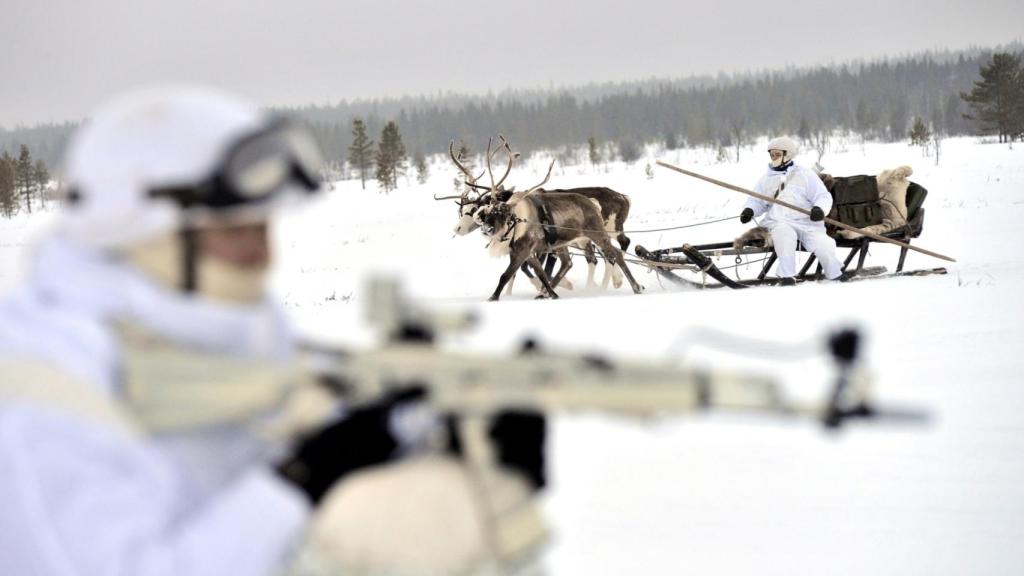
(799, 186)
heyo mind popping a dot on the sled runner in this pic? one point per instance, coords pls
(854, 207)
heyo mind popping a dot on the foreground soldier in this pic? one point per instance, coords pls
(149, 400)
(801, 187)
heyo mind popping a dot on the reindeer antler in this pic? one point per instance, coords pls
(511, 156)
(470, 180)
(496, 187)
(545, 180)
(487, 158)
(459, 197)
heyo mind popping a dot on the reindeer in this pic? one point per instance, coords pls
(613, 205)
(496, 192)
(614, 209)
(515, 228)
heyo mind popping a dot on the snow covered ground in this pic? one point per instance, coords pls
(720, 493)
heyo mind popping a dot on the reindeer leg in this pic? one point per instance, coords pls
(623, 240)
(612, 270)
(624, 244)
(533, 279)
(609, 269)
(549, 265)
(516, 259)
(614, 228)
(613, 253)
(611, 273)
(564, 282)
(539, 271)
(620, 221)
(564, 266)
(591, 258)
(508, 287)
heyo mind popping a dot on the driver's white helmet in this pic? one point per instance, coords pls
(787, 145)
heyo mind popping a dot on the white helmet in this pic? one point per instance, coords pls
(787, 145)
(158, 160)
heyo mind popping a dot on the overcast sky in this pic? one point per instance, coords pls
(60, 58)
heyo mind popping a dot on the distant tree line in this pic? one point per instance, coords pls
(23, 183)
(877, 100)
(46, 141)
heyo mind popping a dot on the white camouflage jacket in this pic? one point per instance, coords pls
(85, 488)
(798, 186)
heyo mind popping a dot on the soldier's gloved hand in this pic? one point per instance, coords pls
(364, 437)
(519, 442)
(817, 215)
(518, 438)
(746, 215)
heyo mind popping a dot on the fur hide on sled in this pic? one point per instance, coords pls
(757, 233)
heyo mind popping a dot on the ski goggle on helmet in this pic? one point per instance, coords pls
(163, 159)
(255, 169)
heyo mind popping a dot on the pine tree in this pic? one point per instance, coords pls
(998, 98)
(919, 133)
(8, 198)
(1017, 128)
(671, 141)
(593, 151)
(629, 151)
(723, 154)
(390, 157)
(360, 152)
(400, 155)
(41, 180)
(422, 170)
(24, 183)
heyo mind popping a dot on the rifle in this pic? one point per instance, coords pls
(474, 387)
(542, 380)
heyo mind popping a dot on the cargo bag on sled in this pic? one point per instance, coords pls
(855, 201)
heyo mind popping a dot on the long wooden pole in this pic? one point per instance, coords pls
(835, 223)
